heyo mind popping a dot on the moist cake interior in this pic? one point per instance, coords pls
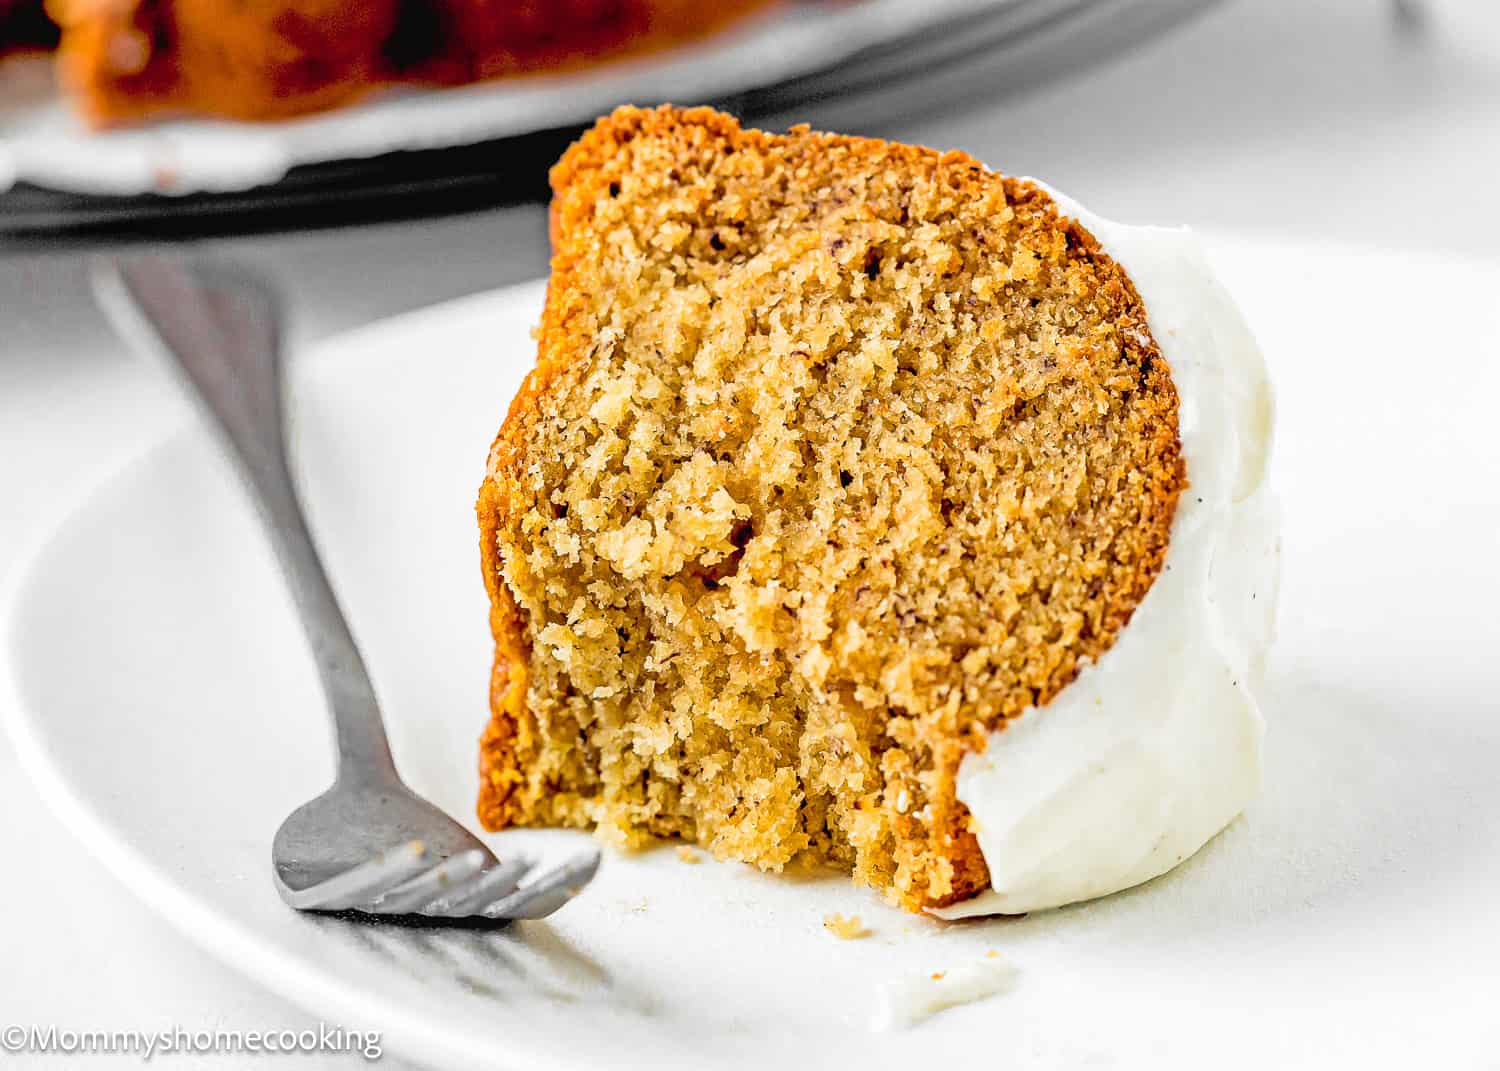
(838, 454)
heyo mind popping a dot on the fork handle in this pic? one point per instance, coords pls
(219, 332)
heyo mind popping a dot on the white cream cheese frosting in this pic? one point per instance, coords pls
(1155, 747)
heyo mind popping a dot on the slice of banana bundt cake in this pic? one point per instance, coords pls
(839, 457)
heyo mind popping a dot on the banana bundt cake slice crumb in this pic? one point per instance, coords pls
(845, 928)
(837, 455)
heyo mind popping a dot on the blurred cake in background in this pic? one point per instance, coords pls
(129, 60)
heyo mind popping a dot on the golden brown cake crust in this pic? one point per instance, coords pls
(1127, 374)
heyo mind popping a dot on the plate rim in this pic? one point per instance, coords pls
(227, 940)
(219, 933)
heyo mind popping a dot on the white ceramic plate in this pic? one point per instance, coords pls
(160, 696)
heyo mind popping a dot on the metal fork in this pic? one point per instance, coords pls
(369, 844)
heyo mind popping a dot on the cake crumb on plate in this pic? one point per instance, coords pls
(845, 929)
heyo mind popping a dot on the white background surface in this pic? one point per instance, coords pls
(1318, 121)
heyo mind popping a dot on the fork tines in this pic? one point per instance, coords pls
(408, 880)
